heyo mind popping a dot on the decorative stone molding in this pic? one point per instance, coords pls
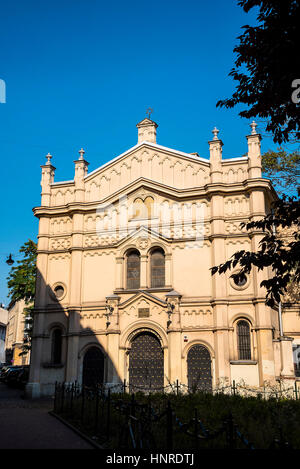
(97, 253)
(61, 256)
(236, 205)
(60, 225)
(233, 227)
(57, 244)
(143, 243)
(196, 311)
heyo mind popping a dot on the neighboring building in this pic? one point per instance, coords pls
(15, 334)
(291, 321)
(3, 324)
(124, 288)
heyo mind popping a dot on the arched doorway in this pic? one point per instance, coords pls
(93, 367)
(146, 363)
(199, 369)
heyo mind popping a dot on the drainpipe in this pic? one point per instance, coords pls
(280, 319)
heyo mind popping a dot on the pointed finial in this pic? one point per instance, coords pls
(48, 158)
(215, 132)
(253, 126)
(81, 152)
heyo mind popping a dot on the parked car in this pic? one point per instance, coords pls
(4, 370)
(17, 376)
(9, 372)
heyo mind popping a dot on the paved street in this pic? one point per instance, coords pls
(27, 424)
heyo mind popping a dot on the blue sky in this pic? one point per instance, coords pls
(81, 73)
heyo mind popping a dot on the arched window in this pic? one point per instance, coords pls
(133, 269)
(56, 346)
(243, 336)
(157, 268)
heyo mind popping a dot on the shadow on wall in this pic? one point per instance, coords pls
(9, 356)
(63, 350)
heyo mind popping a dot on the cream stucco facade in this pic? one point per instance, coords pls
(3, 326)
(15, 331)
(153, 197)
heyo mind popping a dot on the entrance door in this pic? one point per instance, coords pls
(146, 363)
(93, 367)
(199, 369)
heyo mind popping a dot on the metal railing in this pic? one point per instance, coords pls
(111, 416)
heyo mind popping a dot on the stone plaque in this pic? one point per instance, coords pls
(144, 312)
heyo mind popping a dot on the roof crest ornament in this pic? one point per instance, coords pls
(253, 126)
(149, 112)
(81, 152)
(215, 132)
(48, 159)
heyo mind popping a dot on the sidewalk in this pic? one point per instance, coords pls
(26, 424)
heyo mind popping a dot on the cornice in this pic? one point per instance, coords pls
(63, 183)
(117, 244)
(136, 294)
(205, 191)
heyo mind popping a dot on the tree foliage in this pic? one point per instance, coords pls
(267, 63)
(283, 169)
(21, 286)
(278, 250)
(21, 279)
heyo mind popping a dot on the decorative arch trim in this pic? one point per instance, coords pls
(56, 325)
(126, 249)
(135, 333)
(142, 326)
(158, 245)
(85, 348)
(239, 317)
(198, 342)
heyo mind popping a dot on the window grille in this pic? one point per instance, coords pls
(133, 270)
(244, 346)
(157, 268)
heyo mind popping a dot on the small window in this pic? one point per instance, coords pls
(59, 291)
(56, 347)
(157, 268)
(133, 270)
(243, 336)
(240, 280)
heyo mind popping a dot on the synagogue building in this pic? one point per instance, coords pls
(124, 288)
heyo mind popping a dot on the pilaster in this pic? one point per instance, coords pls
(174, 337)
(144, 263)
(215, 160)
(81, 168)
(254, 154)
(119, 273)
(48, 172)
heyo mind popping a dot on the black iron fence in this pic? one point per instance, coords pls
(278, 391)
(267, 391)
(116, 419)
